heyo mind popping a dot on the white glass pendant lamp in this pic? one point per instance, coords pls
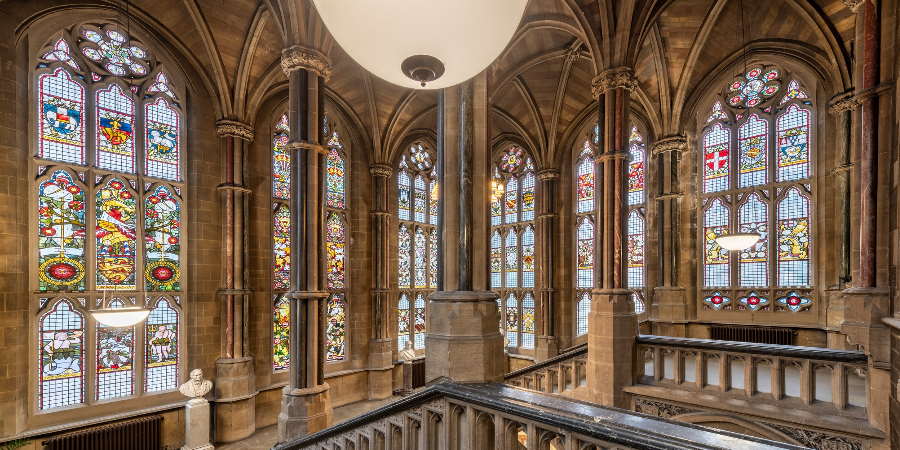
(737, 241)
(422, 44)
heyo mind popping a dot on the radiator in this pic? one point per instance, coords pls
(759, 335)
(136, 434)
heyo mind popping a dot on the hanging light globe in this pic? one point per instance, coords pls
(120, 317)
(738, 241)
(420, 44)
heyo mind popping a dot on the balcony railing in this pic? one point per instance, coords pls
(564, 373)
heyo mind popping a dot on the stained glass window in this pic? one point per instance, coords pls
(584, 308)
(636, 168)
(528, 196)
(116, 233)
(496, 260)
(281, 161)
(635, 222)
(771, 190)
(114, 51)
(585, 254)
(162, 348)
(512, 201)
(585, 182)
(335, 251)
(162, 248)
(528, 257)
(61, 52)
(635, 249)
(115, 130)
(281, 334)
(585, 205)
(61, 111)
(161, 85)
(115, 359)
(528, 321)
(512, 259)
(498, 194)
(512, 320)
(335, 330)
(61, 347)
(162, 140)
(334, 179)
(281, 248)
(419, 246)
(61, 233)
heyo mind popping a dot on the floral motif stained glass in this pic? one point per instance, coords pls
(281, 161)
(753, 217)
(715, 165)
(511, 205)
(115, 359)
(60, 114)
(528, 196)
(512, 159)
(754, 87)
(336, 328)
(335, 251)
(334, 179)
(114, 52)
(793, 239)
(497, 200)
(162, 246)
(636, 168)
(161, 85)
(420, 157)
(584, 254)
(116, 234)
(753, 147)
(793, 144)
(162, 140)
(794, 91)
(162, 348)
(61, 349)
(419, 257)
(716, 258)
(281, 248)
(281, 334)
(61, 52)
(404, 263)
(61, 233)
(115, 130)
(404, 326)
(635, 249)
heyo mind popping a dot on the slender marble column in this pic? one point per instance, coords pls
(868, 154)
(612, 325)
(380, 349)
(547, 342)
(235, 383)
(306, 407)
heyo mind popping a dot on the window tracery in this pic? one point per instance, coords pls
(281, 244)
(635, 221)
(336, 240)
(585, 247)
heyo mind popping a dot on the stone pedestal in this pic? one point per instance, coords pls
(381, 376)
(463, 342)
(303, 411)
(612, 328)
(196, 425)
(863, 310)
(545, 348)
(235, 399)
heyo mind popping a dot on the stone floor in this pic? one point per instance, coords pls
(267, 437)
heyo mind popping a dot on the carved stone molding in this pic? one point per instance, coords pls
(853, 4)
(615, 78)
(660, 409)
(297, 57)
(381, 170)
(234, 128)
(843, 102)
(670, 144)
(817, 439)
(297, 146)
(603, 157)
(548, 175)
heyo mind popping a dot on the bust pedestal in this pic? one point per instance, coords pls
(196, 425)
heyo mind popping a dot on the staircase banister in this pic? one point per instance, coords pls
(787, 351)
(576, 351)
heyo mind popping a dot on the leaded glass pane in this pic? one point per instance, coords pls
(419, 255)
(162, 348)
(511, 206)
(585, 254)
(528, 196)
(336, 328)
(753, 138)
(62, 53)
(60, 113)
(512, 259)
(584, 308)
(404, 326)
(281, 161)
(433, 259)
(404, 203)
(512, 320)
(636, 169)
(404, 264)
(528, 258)
(335, 236)
(496, 260)
(793, 239)
(754, 218)
(162, 140)
(715, 164)
(61, 234)
(497, 201)
(334, 179)
(434, 198)
(162, 248)
(715, 265)
(419, 323)
(635, 249)
(528, 321)
(585, 184)
(281, 334)
(115, 130)
(793, 144)
(281, 248)
(116, 233)
(794, 91)
(420, 200)
(61, 347)
(115, 359)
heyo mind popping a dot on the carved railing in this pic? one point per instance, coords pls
(449, 416)
(562, 374)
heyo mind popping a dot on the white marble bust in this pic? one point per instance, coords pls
(196, 387)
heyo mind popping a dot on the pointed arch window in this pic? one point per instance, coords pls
(585, 248)
(513, 252)
(336, 239)
(418, 202)
(109, 210)
(281, 244)
(769, 124)
(635, 221)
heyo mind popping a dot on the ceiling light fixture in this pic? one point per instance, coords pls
(432, 44)
(738, 241)
(117, 315)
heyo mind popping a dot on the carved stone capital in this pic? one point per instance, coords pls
(615, 78)
(297, 57)
(603, 157)
(548, 175)
(233, 128)
(843, 102)
(297, 146)
(853, 4)
(667, 144)
(381, 170)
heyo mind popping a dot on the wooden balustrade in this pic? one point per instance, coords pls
(813, 375)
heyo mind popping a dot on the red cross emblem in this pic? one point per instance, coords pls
(717, 159)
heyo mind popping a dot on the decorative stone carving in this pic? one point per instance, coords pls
(615, 78)
(853, 4)
(380, 170)
(196, 386)
(670, 144)
(660, 409)
(816, 439)
(548, 175)
(226, 127)
(844, 102)
(298, 57)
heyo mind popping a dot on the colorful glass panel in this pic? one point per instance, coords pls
(636, 168)
(528, 321)
(434, 198)
(115, 52)
(281, 161)
(161, 85)
(115, 359)
(420, 200)
(638, 302)
(404, 264)
(753, 144)
(753, 301)
(716, 258)
(419, 324)
(584, 308)
(512, 159)
(528, 196)
(61, 347)
(334, 179)
(61, 234)
(793, 144)
(281, 248)
(512, 259)
(511, 206)
(281, 334)
(336, 328)
(753, 217)
(162, 246)
(62, 53)
(115, 130)
(754, 87)
(433, 259)
(404, 326)
(162, 348)
(715, 165)
(496, 260)
(60, 114)
(635, 249)
(717, 301)
(162, 140)
(794, 92)
(793, 239)
(585, 184)
(585, 254)
(116, 234)
(794, 302)
(497, 200)
(512, 321)
(420, 270)
(717, 113)
(404, 201)
(335, 250)
(528, 258)
(420, 157)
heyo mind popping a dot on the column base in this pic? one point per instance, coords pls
(463, 342)
(235, 389)
(612, 328)
(864, 309)
(545, 348)
(303, 412)
(381, 374)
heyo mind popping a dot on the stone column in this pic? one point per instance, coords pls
(612, 325)
(305, 404)
(463, 341)
(235, 386)
(547, 345)
(381, 358)
(673, 307)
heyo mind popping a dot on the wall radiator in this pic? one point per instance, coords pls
(759, 335)
(136, 434)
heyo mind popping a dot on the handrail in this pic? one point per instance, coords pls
(788, 351)
(577, 350)
(613, 425)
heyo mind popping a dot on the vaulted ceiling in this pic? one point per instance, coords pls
(540, 86)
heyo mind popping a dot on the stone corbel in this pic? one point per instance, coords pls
(234, 128)
(603, 157)
(854, 5)
(548, 175)
(297, 146)
(668, 144)
(843, 102)
(298, 57)
(615, 78)
(381, 170)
